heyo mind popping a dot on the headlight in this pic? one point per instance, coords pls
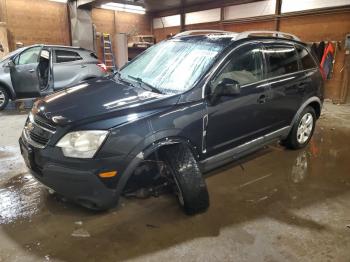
(82, 144)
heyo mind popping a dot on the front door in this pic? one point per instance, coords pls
(24, 73)
(235, 120)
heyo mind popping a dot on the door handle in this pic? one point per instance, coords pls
(262, 99)
(83, 66)
(31, 70)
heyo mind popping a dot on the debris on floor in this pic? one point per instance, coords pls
(79, 223)
(80, 233)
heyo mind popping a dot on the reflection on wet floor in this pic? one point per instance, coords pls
(283, 205)
(20, 198)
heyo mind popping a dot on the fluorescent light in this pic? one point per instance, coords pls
(125, 8)
(60, 1)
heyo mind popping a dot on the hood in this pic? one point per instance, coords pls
(102, 98)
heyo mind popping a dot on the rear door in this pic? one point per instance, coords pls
(287, 83)
(66, 68)
(313, 77)
(24, 75)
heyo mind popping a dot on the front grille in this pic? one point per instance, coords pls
(44, 123)
(37, 138)
(38, 132)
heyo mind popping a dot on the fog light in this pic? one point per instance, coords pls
(108, 174)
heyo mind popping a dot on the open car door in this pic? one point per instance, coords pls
(24, 73)
(45, 72)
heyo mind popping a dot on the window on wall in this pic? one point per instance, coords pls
(166, 21)
(281, 59)
(244, 67)
(291, 6)
(306, 60)
(206, 16)
(63, 56)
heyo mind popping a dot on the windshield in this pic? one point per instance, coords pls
(11, 54)
(173, 66)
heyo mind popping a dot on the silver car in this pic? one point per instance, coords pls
(39, 70)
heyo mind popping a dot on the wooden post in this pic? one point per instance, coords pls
(278, 14)
(182, 16)
(222, 17)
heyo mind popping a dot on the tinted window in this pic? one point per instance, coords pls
(282, 60)
(245, 66)
(305, 58)
(66, 56)
(93, 55)
(29, 56)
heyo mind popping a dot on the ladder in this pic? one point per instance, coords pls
(107, 50)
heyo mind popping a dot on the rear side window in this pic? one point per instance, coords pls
(306, 60)
(66, 56)
(281, 59)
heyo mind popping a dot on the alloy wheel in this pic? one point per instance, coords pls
(305, 128)
(2, 98)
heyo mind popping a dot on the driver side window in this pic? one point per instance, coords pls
(29, 56)
(244, 66)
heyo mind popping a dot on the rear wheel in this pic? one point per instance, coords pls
(4, 98)
(302, 129)
(189, 185)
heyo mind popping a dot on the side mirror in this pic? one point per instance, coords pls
(227, 87)
(10, 63)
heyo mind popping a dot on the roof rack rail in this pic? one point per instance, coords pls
(190, 32)
(273, 33)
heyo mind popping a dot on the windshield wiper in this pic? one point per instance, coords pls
(119, 77)
(148, 86)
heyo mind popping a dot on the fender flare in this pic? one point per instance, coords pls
(9, 89)
(136, 160)
(304, 105)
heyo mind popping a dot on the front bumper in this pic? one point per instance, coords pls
(76, 179)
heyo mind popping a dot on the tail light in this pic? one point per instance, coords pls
(103, 67)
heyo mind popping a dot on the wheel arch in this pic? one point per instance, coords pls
(136, 158)
(317, 107)
(9, 90)
(314, 102)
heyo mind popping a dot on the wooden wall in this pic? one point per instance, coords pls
(108, 21)
(329, 27)
(37, 21)
(43, 21)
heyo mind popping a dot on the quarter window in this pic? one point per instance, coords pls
(306, 60)
(66, 56)
(282, 60)
(245, 67)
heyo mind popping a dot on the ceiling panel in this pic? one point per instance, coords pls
(161, 5)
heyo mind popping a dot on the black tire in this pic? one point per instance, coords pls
(292, 141)
(4, 98)
(191, 188)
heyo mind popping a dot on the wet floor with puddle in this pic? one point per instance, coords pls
(275, 205)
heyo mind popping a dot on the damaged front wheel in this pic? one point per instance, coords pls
(190, 186)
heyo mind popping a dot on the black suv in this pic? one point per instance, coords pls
(185, 106)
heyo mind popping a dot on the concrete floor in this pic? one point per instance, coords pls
(278, 205)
